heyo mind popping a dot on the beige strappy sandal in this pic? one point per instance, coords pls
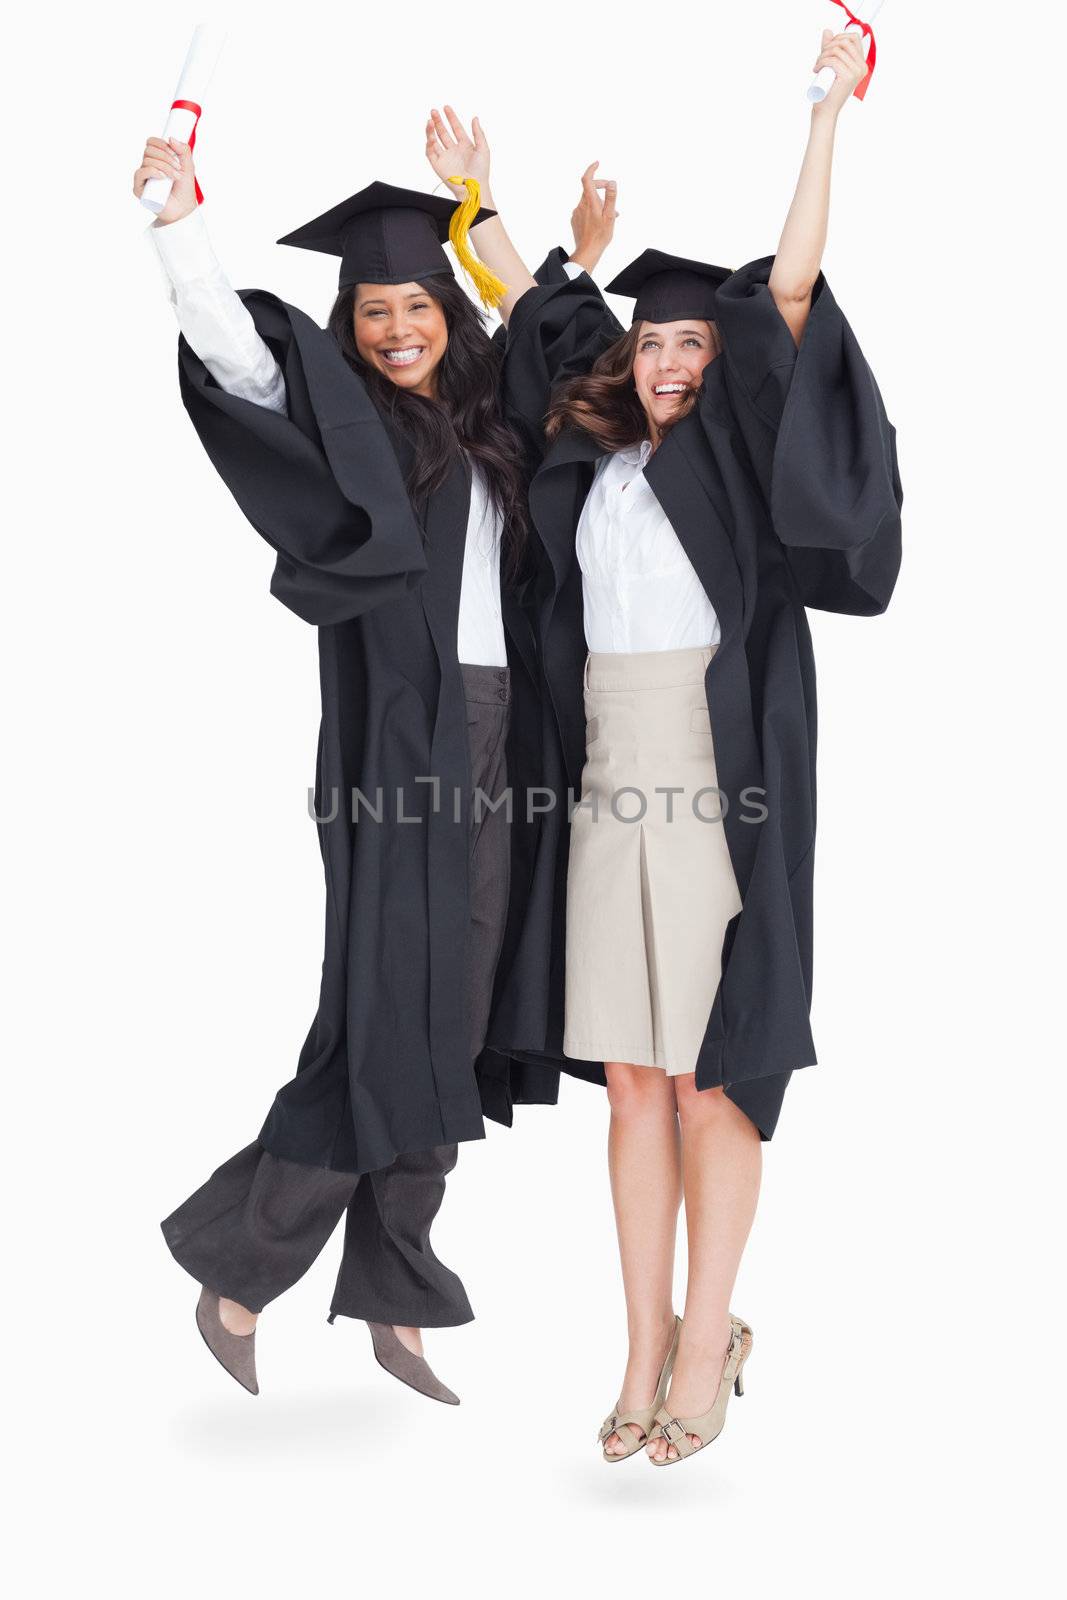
(708, 1427)
(642, 1417)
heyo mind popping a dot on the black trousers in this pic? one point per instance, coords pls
(254, 1228)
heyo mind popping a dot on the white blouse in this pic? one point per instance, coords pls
(221, 331)
(639, 589)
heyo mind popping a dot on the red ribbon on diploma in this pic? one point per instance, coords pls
(191, 105)
(868, 33)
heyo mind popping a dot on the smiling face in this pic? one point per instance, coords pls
(669, 363)
(400, 330)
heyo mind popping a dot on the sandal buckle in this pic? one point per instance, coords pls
(665, 1429)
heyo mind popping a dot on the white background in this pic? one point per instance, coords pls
(164, 886)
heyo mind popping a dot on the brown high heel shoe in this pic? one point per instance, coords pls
(234, 1351)
(411, 1369)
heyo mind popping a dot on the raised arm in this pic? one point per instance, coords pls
(592, 224)
(798, 259)
(805, 400)
(593, 219)
(453, 152)
(210, 314)
(288, 425)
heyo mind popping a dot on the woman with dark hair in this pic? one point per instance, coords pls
(375, 459)
(721, 466)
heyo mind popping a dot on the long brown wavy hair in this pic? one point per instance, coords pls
(603, 402)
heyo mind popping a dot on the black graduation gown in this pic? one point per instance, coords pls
(385, 1068)
(783, 489)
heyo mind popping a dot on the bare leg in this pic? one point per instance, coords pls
(645, 1168)
(721, 1164)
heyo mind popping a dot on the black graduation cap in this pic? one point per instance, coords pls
(670, 288)
(384, 234)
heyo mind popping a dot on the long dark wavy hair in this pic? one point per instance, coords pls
(466, 414)
(603, 402)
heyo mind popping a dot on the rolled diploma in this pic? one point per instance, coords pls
(195, 77)
(823, 81)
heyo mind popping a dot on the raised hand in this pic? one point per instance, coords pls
(169, 158)
(844, 53)
(452, 151)
(593, 218)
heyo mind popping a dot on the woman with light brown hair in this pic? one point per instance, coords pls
(721, 466)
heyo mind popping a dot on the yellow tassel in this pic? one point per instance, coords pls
(490, 289)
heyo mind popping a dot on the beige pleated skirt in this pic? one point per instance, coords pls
(650, 884)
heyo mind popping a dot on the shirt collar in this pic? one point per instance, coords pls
(636, 455)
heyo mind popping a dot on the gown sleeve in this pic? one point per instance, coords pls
(556, 331)
(823, 449)
(553, 269)
(320, 482)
